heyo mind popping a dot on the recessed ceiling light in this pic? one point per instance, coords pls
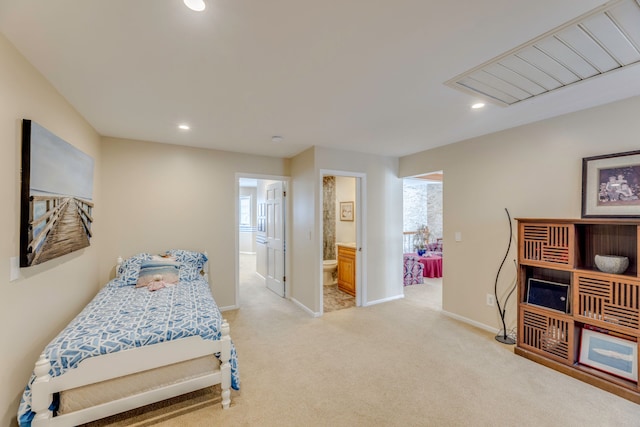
(197, 5)
(184, 127)
(276, 138)
(478, 105)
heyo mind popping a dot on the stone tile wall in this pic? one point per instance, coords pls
(329, 217)
(422, 204)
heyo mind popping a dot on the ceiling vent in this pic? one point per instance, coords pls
(605, 39)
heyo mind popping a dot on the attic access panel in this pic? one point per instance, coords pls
(602, 40)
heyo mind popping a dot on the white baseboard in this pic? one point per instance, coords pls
(471, 322)
(305, 308)
(229, 307)
(380, 301)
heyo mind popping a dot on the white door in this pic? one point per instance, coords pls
(275, 238)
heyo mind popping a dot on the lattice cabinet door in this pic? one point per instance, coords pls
(609, 299)
(545, 244)
(547, 334)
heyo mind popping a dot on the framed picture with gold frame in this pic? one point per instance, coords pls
(346, 211)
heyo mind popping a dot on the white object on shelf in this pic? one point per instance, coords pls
(612, 263)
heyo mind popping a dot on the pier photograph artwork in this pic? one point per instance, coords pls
(57, 196)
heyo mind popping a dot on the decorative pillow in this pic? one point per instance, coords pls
(191, 263)
(117, 283)
(158, 272)
(130, 268)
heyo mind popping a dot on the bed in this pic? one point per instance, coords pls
(134, 344)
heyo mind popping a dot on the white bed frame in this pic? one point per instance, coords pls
(109, 366)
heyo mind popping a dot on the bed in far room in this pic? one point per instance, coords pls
(152, 333)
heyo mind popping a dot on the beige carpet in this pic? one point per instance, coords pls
(400, 363)
(429, 293)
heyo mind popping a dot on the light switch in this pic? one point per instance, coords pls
(14, 268)
(458, 236)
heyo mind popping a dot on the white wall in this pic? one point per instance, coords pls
(247, 239)
(383, 223)
(305, 254)
(534, 171)
(161, 196)
(46, 297)
(345, 192)
(383, 219)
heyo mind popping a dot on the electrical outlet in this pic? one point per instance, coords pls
(491, 300)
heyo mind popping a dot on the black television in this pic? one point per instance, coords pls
(548, 294)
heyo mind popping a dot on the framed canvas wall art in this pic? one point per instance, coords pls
(56, 196)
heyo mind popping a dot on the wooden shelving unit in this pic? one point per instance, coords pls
(563, 251)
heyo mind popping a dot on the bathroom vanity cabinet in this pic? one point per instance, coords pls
(347, 269)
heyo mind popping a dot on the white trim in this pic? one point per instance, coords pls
(126, 362)
(305, 308)
(361, 234)
(471, 322)
(383, 300)
(236, 238)
(287, 227)
(441, 171)
(229, 307)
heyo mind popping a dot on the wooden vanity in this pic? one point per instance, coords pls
(347, 268)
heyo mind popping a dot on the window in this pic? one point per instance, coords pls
(245, 210)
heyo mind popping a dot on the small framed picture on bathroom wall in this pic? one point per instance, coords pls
(346, 211)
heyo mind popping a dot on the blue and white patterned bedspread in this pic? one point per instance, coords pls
(121, 317)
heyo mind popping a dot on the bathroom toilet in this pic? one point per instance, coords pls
(328, 268)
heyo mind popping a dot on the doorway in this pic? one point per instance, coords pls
(261, 233)
(342, 207)
(423, 234)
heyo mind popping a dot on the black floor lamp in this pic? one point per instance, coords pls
(504, 337)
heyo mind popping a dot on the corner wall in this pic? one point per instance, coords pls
(34, 308)
(160, 196)
(383, 223)
(304, 251)
(534, 171)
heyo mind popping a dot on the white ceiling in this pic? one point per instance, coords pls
(360, 75)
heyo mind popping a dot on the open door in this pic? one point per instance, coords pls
(346, 230)
(275, 238)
